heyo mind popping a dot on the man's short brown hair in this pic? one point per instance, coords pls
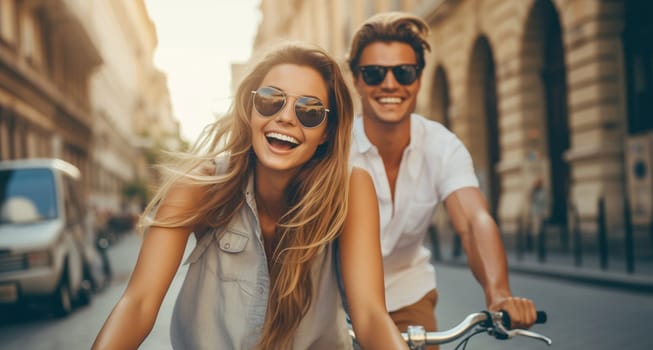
(389, 27)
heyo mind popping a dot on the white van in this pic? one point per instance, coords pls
(42, 234)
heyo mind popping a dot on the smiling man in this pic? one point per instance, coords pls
(417, 163)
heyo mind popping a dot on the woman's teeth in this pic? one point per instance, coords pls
(281, 137)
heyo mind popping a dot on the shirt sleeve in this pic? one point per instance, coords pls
(457, 169)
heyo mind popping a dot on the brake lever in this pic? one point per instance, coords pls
(530, 334)
(498, 330)
(501, 332)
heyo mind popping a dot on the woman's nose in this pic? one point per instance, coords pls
(287, 113)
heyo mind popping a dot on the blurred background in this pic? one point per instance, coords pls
(553, 98)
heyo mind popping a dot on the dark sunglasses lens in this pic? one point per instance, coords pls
(268, 101)
(405, 74)
(373, 75)
(310, 111)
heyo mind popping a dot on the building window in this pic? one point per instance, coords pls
(8, 21)
(31, 38)
(3, 135)
(639, 66)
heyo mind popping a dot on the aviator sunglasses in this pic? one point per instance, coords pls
(269, 100)
(405, 74)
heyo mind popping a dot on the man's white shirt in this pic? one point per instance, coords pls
(435, 164)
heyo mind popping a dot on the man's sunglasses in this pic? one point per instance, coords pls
(405, 74)
(269, 100)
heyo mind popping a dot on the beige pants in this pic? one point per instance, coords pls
(421, 313)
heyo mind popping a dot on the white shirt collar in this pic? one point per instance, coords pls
(364, 145)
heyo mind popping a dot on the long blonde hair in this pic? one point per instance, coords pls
(316, 196)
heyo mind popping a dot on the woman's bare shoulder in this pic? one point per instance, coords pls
(360, 182)
(359, 175)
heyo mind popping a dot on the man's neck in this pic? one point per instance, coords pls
(390, 139)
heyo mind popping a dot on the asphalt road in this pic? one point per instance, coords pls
(580, 316)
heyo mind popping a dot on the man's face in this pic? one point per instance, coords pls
(389, 101)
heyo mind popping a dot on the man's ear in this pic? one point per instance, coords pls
(358, 84)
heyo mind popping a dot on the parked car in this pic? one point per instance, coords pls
(46, 248)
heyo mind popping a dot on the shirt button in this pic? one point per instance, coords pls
(227, 245)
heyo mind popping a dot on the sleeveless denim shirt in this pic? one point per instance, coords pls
(223, 299)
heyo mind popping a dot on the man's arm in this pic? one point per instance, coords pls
(486, 255)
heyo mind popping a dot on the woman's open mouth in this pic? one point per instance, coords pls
(281, 141)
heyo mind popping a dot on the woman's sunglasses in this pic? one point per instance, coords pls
(269, 100)
(405, 74)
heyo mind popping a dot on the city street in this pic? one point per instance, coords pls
(580, 316)
(534, 115)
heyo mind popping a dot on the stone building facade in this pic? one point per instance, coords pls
(555, 90)
(77, 82)
(46, 58)
(130, 99)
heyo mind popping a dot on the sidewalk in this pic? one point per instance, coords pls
(557, 265)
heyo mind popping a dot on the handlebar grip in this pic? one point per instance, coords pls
(539, 318)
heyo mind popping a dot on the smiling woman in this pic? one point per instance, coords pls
(197, 43)
(268, 193)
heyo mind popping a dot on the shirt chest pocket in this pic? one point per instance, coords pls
(226, 254)
(234, 259)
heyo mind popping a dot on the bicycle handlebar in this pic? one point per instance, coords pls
(495, 323)
(539, 318)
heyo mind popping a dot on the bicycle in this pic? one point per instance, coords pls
(495, 323)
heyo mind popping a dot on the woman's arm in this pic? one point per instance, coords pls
(362, 268)
(134, 315)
